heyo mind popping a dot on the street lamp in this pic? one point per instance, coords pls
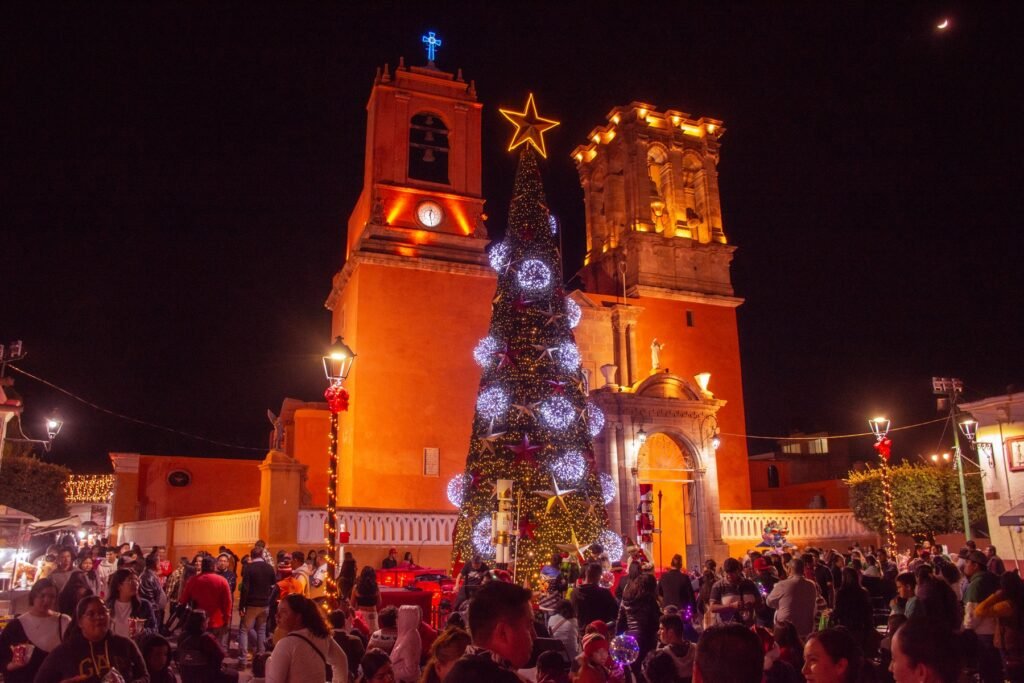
(883, 446)
(53, 426)
(641, 437)
(935, 457)
(969, 429)
(950, 388)
(337, 364)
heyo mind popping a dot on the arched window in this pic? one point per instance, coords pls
(428, 149)
(773, 477)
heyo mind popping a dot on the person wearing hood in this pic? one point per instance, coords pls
(408, 649)
(92, 651)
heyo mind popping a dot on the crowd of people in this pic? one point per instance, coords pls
(814, 616)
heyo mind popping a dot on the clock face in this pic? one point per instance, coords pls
(429, 214)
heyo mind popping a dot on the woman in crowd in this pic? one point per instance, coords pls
(307, 650)
(1007, 606)
(376, 668)
(74, 590)
(639, 614)
(935, 602)
(407, 562)
(347, 575)
(563, 626)
(924, 653)
(853, 610)
(27, 640)
(833, 656)
(791, 650)
(199, 654)
(366, 597)
(88, 567)
(408, 649)
(445, 651)
(90, 653)
(131, 616)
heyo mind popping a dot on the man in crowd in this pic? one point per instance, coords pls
(391, 561)
(470, 578)
(318, 578)
(105, 568)
(981, 584)
(734, 598)
(682, 651)
(210, 592)
(224, 569)
(258, 580)
(593, 602)
(995, 563)
(298, 580)
(150, 588)
(501, 625)
(729, 653)
(794, 599)
(674, 588)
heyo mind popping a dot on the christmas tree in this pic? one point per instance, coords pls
(533, 423)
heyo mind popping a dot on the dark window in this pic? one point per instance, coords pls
(689, 318)
(428, 149)
(773, 477)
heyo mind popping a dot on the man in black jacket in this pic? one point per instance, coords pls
(592, 602)
(258, 581)
(501, 624)
(675, 589)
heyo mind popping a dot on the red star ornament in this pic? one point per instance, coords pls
(526, 528)
(525, 451)
(521, 304)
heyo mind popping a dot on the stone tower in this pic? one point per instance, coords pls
(414, 294)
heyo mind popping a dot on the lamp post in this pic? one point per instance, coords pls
(337, 364)
(970, 430)
(883, 446)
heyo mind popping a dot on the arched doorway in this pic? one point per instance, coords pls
(664, 465)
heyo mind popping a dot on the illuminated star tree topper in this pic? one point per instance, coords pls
(530, 129)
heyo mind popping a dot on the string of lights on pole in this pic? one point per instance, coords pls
(337, 365)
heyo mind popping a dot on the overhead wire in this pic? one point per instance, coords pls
(128, 418)
(831, 436)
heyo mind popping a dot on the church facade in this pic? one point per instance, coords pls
(658, 336)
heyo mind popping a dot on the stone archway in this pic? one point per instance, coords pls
(670, 470)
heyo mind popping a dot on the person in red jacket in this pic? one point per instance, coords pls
(210, 592)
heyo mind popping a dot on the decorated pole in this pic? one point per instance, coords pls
(337, 365)
(883, 446)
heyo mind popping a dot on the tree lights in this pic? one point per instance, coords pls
(337, 364)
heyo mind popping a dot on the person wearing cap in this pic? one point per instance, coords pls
(594, 659)
(981, 584)
(391, 561)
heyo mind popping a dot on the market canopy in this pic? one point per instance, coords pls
(1013, 517)
(9, 514)
(62, 524)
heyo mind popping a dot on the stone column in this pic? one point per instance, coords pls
(125, 504)
(280, 497)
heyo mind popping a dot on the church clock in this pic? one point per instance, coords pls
(429, 214)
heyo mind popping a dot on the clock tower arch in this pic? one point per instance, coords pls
(413, 295)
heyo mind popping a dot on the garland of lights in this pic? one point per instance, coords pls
(533, 275)
(458, 487)
(492, 403)
(608, 489)
(499, 256)
(337, 401)
(569, 468)
(573, 312)
(485, 350)
(884, 449)
(569, 356)
(612, 544)
(89, 488)
(595, 419)
(557, 413)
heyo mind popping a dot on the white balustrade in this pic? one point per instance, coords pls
(808, 524)
(221, 528)
(147, 534)
(381, 527)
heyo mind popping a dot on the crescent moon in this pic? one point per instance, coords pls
(944, 24)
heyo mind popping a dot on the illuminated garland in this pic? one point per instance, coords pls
(89, 488)
(884, 449)
(337, 401)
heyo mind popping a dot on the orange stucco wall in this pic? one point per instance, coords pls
(790, 496)
(217, 484)
(414, 383)
(311, 438)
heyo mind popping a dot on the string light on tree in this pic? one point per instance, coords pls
(569, 356)
(883, 446)
(573, 312)
(457, 488)
(595, 419)
(608, 490)
(500, 256)
(492, 403)
(482, 537)
(569, 468)
(553, 223)
(485, 351)
(557, 413)
(533, 275)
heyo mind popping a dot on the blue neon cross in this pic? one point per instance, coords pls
(433, 42)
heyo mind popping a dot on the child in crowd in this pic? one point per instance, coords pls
(156, 650)
(384, 638)
(594, 660)
(552, 668)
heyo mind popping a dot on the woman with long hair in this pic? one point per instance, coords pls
(92, 649)
(307, 649)
(27, 640)
(74, 590)
(366, 597)
(347, 575)
(130, 615)
(1007, 606)
(853, 610)
(790, 648)
(87, 566)
(833, 656)
(445, 651)
(639, 614)
(563, 625)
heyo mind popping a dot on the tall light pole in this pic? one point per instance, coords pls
(883, 445)
(950, 389)
(337, 364)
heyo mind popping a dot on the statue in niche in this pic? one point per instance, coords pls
(656, 348)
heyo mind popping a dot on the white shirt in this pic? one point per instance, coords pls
(45, 632)
(293, 660)
(120, 618)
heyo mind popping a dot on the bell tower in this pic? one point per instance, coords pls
(414, 294)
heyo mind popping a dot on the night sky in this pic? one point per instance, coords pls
(175, 182)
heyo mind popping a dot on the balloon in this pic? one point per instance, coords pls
(624, 649)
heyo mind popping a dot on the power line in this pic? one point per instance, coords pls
(832, 436)
(129, 418)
